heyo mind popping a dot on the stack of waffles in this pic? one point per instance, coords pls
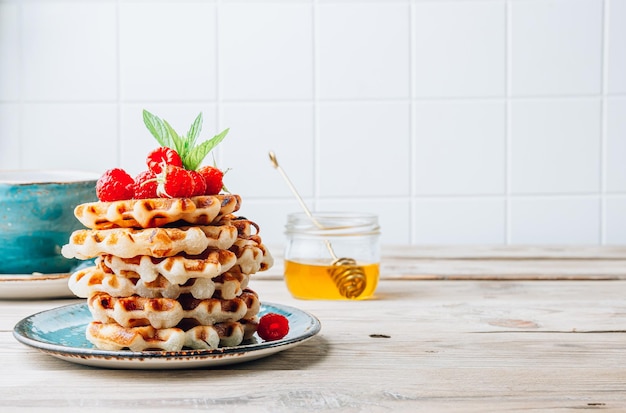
(169, 273)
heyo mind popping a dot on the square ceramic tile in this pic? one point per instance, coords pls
(615, 221)
(615, 150)
(136, 141)
(459, 49)
(69, 136)
(457, 221)
(9, 136)
(168, 51)
(362, 50)
(363, 149)
(394, 215)
(459, 148)
(257, 129)
(76, 44)
(9, 52)
(616, 46)
(555, 146)
(265, 51)
(567, 220)
(555, 47)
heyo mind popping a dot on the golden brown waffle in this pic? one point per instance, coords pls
(177, 269)
(115, 337)
(155, 242)
(88, 281)
(137, 311)
(252, 255)
(156, 212)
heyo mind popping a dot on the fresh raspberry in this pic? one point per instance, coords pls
(199, 187)
(115, 185)
(213, 178)
(163, 156)
(272, 327)
(145, 185)
(174, 182)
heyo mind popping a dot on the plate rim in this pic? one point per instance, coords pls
(68, 353)
(33, 277)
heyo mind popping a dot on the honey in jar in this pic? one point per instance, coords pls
(333, 256)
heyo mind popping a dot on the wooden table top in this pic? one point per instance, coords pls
(451, 329)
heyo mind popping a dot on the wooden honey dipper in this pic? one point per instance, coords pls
(346, 274)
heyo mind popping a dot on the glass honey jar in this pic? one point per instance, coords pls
(332, 255)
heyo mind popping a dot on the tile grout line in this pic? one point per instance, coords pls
(412, 132)
(316, 108)
(508, 155)
(118, 82)
(20, 86)
(474, 99)
(603, 122)
(218, 95)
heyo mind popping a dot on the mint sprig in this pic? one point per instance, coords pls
(191, 153)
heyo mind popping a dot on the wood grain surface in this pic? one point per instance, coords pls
(526, 343)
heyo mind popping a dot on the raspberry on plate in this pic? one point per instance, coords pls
(272, 327)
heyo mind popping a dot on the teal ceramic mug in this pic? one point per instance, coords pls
(37, 218)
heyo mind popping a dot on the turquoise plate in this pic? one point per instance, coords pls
(60, 332)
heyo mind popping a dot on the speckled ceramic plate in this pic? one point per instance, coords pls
(60, 332)
(34, 286)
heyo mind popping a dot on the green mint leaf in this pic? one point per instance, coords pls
(191, 154)
(194, 131)
(157, 128)
(193, 158)
(177, 141)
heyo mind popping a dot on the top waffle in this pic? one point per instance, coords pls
(156, 212)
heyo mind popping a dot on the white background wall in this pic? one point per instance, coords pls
(458, 122)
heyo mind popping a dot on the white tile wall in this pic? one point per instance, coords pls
(265, 51)
(616, 40)
(564, 220)
(362, 50)
(459, 221)
(362, 149)
(9, 52)
(555, 146)
(457, 121)
(68, 51)
(459, 49)
(615, 160)
(156, 65)
(615, 227)
(464, 157)
(556, 47)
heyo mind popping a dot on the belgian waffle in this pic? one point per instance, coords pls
(252, 255)
(156, 242)
(115, 337)
(156, 212)
(85, 282)
(177, 269)
(137, 311)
